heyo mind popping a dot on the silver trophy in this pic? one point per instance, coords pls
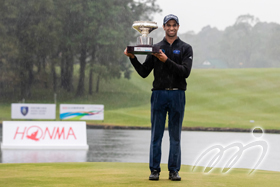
(144, 43)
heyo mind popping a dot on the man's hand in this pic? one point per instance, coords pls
(130, 55)
(161, 56)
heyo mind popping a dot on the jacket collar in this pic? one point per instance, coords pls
(177, 39)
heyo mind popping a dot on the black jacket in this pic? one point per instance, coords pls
(172, 73)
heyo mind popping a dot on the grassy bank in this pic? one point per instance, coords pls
(234, 98)
(124, 174)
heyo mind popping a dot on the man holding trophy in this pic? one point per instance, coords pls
(171, 59)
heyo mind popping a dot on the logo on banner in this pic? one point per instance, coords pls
(82, 112)
(36, 133)
(24, 110)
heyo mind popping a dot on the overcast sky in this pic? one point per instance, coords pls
(195, 14)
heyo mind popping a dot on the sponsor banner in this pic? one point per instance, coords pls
(33, 111)
(44, 135)
(82, 112)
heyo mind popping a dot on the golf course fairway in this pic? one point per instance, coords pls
(125, 174)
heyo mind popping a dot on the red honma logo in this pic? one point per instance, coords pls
(37, 133)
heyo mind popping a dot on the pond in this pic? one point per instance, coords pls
(133, 146)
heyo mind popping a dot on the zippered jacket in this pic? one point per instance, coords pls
(171, 74)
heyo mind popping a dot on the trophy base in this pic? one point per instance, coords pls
(142, 49)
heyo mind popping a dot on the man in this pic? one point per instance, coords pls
(172, 65)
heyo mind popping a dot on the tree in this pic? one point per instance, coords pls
(26, 23)
(205, 44)
(67, 14)
(248, 19)
(37, 35)
(238, 44)
(117, 33)
(107, 34)
(273, 48)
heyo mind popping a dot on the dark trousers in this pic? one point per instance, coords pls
(173, 102)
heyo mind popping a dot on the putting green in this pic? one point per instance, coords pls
(124, 174)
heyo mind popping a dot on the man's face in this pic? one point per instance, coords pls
(171, 28)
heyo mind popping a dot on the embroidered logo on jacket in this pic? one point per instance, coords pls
(177, 52)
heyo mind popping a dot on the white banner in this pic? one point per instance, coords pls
(44, 135)
(33, 111)
(82, 112)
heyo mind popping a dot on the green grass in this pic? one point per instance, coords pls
(233, 97)
(215, 98)
(124, 174)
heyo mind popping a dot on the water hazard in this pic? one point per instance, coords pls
(133, 146)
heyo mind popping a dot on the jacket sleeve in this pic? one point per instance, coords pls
(143, 69)
(184, 69)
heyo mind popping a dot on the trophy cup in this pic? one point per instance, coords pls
(144, 43)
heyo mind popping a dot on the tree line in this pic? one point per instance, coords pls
(42, 41)
(248, 43)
